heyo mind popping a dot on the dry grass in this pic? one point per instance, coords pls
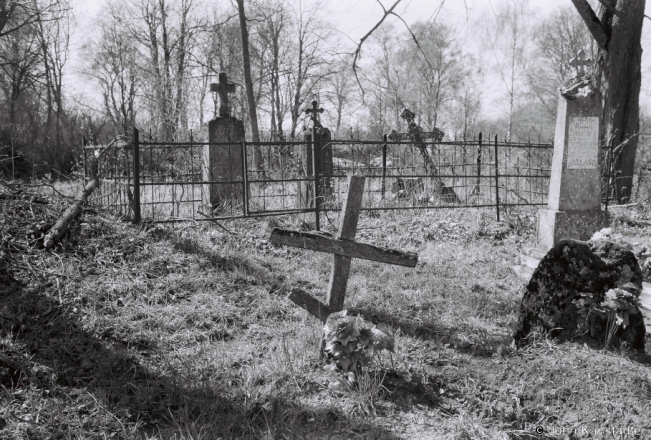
(185, 333)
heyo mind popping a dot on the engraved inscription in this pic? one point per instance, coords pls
(582, 143)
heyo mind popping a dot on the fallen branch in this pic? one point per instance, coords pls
(56, 233)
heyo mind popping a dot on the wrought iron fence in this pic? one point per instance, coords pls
(177, 181)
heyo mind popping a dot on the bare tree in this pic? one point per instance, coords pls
(440, 69)
(617, 30)
(310, 67)
(339, 91)
(248, 80)
(112, 61)
(54, 38)
(508, 37)
(165, 31)
(557, 40)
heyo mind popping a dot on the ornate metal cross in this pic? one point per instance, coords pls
(315, 111)
(223, 89)
(580, 63)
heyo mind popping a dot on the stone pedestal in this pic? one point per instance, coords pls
(222, 162)
(574, 207)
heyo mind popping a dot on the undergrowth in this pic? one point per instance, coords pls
(185, 332)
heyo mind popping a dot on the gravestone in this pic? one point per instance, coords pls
(323, 160)
(222, 164)
(574, 206)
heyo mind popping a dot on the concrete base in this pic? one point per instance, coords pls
(553, 226)
(530, 258)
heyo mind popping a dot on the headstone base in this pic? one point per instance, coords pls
(554, 226)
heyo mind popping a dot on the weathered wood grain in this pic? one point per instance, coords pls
(318, 242)
(351, 206)
(315, 307)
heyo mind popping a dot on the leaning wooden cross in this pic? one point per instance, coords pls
(344, 249)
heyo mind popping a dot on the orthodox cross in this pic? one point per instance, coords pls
(580, 63)
(344, 249)
(315, 112)
(223, 89)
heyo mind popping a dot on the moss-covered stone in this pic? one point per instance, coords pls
(586, 291)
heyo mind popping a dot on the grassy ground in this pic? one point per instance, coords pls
(186, 333)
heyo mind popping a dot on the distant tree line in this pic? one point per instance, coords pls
(152, 62)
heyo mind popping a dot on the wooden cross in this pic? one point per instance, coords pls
(344, 248)
(580, 63)
(315, 111)
(223, 89)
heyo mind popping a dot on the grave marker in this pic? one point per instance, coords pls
(574, 207)
(322, 161)
(344, 249)
(223, 163)
(574, 204)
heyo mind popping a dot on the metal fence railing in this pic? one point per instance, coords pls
(162, 181)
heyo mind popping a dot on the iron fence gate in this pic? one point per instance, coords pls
(171, 181)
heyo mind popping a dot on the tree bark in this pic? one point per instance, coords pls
(248, 83)
(621, 90)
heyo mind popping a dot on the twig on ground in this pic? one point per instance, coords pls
(217, 223)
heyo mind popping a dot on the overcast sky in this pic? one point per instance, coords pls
(354, 18)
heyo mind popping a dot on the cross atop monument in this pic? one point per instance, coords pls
(580, 63)
(223, 89)
(315, 111)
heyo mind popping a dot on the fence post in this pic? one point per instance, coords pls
(316, 170)
(478, 187)
(497, 182)
(384, 164)
(83, 149)
(245, 180)
(136, 176)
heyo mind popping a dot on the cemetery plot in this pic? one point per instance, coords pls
(176, 183)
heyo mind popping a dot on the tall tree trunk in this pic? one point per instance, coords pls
(621, 85)
(618, 32)
(248, 82)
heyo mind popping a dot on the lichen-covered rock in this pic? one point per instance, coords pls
(586, 291)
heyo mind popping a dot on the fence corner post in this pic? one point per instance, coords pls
(245, 180)
(316, 169)
(136, 177)
(497, 182)
(384, 163)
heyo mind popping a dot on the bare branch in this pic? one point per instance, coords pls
(591, 20)
(365, 37)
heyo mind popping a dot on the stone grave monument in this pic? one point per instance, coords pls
(572, 216)
(574, 205)
(222, 163)
(322, 160)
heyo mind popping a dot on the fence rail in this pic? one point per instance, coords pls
(164, 182)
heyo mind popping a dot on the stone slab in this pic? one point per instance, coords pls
(223, 163)
(575, 182)
(554, 225)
